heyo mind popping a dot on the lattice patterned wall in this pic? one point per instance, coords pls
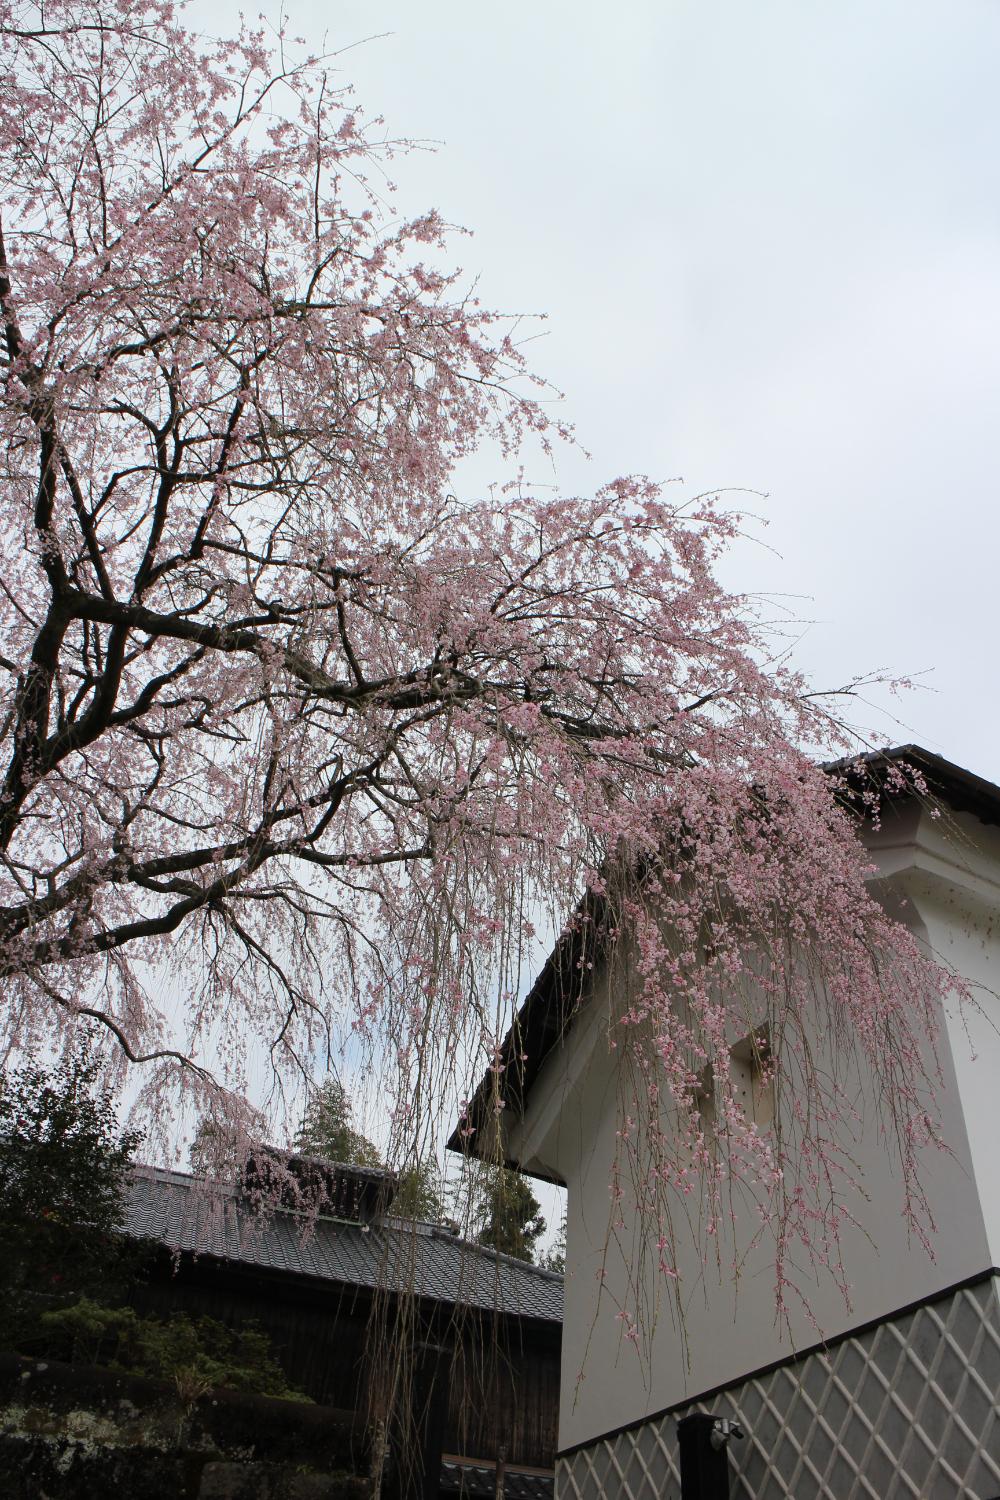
(909, 1410)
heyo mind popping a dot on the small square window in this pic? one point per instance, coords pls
(753, 1084)
(752, 1078)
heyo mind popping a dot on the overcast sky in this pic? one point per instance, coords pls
(767, 239)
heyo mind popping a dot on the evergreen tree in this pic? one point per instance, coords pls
(64, 1167)
(213, 1152)
(420, 1194)
(514, 1219)
(63, 1156)
(327, 1129)
(554, 1259)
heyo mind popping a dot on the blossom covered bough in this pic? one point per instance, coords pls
(297, 744)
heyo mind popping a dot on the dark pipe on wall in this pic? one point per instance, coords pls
(704, 1463)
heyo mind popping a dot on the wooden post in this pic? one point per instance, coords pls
(500, 1474)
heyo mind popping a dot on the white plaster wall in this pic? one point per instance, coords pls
(726, 1330)
(955, 887)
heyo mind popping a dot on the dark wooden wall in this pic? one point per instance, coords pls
(341, 1347)
(504, 1392)
(319, 1342)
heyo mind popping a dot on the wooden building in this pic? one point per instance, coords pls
(374, 1314)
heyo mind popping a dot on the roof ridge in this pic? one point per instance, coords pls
(502, 1256)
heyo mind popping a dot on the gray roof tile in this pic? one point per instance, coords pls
(474, 1482)
(186, 1213)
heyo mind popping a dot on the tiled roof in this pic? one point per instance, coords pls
(472, 1482)
(185, 1213)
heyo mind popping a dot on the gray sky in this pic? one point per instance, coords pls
(766, 237)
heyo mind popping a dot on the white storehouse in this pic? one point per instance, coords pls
(900, 1396)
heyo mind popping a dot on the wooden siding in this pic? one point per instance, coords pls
(502, 1373)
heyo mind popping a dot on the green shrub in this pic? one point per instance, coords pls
(195, 1353)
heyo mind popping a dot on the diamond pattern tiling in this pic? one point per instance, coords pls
(909, 1410)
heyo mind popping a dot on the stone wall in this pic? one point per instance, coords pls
(71, 1432)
